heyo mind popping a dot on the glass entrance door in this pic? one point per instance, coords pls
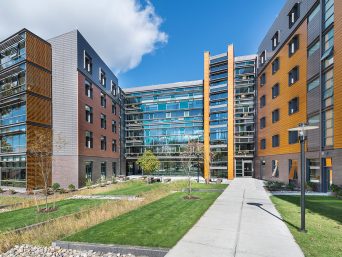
(247, 168)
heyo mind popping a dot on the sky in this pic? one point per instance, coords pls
(196, 26)
(148, 42)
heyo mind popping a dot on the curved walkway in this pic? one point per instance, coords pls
(242, 222)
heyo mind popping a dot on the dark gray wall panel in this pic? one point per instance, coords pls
(314, 28)
(314, 62)
(313, 100)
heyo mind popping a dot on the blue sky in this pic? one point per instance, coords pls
(195, 26)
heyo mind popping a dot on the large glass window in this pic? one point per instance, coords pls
(314, 170)
(89, 113)
(13, 171)
(13, 143)
(328, 48)
(313, 48)
(328, 12)
(103, 170)
(89, 170)
(275, 168)
(328, 128)
(12, 84)
(314, 13)
(313, 84)
(328, 88)
(12, 114)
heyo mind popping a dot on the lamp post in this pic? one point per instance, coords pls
(302, 130)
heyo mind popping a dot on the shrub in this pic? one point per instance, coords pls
(12, 191)
(1, 190)
(88, 183)
(56, 186)
(335, 188)
(71, 187)
(290, 187)
(114, 180)
(62, 191)
(309, 186)
(275, 185)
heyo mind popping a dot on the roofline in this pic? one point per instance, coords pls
(163, 86)
(22, 31)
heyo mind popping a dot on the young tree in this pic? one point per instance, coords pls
(190, 154)
(148, 162)
(40, 148)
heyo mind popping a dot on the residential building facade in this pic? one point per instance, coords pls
(229, 114)
(25, 107)
(299, 66)
(163, 119)
(87, 111)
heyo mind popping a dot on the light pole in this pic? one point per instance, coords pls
(302, 130)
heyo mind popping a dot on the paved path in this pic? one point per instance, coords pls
(242, 222)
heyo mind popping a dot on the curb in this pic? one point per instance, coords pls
(106, 248)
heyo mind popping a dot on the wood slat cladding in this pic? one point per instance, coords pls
(230, 136)
(34, 175)
(206, 115)
(38, 51)
(287, 93)
(39, 110)
(338, 75)
(39, 81)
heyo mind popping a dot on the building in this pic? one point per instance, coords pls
(25, 106)
(300, 64)
(163, 119)
(229, 114)
(87, 113)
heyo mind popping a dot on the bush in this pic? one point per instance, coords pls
(114, 180)
(71, 187)
(88, 183)
(62, 191)
(12, 191)
(290, 187)
(56, 186)
(309, 186)
(1, 190)
(275, 185)
(335, 188)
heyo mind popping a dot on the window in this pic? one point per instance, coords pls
(186, 113)
(314, 13)
(103, 121)
(89, 114)
(88, 63)
(114, 88)
(103, 170)
(263, 57)
(314, 170)
(89, 170)
(293, 45)
(314, 120)
(328, 128)
(262, 122)
(103, 143)
(113, 126)
(293, 137)
(293, 15)
(113, 145)
(275, 90)
(114, 169)
(113, 108)
(313, 84)
(275, 168)
(328, 12)
(328, 48)
(89, 139)
(328, 88)
(103, 99)
(263, 144)
(275, 40)
(168, 115)
(262, 79)
(275, 141)
(262, 101)
(275, 116)
(275, 65)
(88, 89)
(313, 48)
(102, 77)
(293, 75)
(294, 105)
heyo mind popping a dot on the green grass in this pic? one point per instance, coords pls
(5, 200)
(134, 188)
(28, 216)
(208, 186)
(323, 223)
(159, 224)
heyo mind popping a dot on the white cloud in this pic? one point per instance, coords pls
(121, 31)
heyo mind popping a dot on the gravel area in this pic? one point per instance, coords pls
(37, 251)
(107, 197)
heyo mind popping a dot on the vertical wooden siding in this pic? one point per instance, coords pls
(287, 93)
(38, 51)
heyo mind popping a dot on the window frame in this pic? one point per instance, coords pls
(289, 105)
(273, 115)
(276, 86)
(275, 140)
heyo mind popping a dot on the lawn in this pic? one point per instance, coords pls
(323, 224)
(159, 224)
(9, 200)
(134, 188)
(28, 216)
(208, 186)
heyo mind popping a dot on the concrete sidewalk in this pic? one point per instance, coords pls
(242, 222)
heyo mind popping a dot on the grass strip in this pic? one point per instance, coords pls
(323, 223)
(159, 224)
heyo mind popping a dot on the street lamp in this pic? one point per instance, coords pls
(302, 130)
